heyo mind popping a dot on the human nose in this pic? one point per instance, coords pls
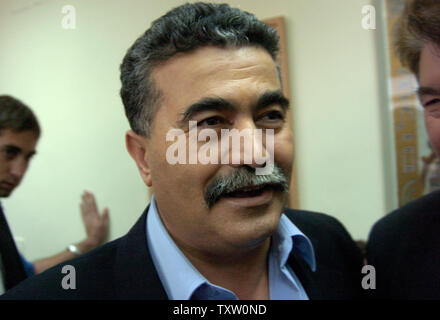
(247, 146)
(18, 167)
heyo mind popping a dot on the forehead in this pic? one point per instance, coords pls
(230, 73)
(25, 140)
(429, 70)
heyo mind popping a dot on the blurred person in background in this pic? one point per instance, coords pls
(19, 134)
(404, 246)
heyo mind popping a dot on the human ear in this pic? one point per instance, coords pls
(136, 147)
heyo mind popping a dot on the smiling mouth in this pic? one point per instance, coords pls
(249, 192)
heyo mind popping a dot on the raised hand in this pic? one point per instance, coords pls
(96, 224)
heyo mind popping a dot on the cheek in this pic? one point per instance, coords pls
(283, 150)
(433, 129)
(3, 165)
(182, 181)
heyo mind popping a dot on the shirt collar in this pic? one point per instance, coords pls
(288, 238)
(181, 279)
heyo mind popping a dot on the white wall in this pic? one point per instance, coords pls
(71, 80)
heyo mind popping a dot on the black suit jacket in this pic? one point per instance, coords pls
(123, 268)
(404, 248)
(13, 269)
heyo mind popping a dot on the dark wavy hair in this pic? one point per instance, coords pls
(17, 116)
(183, 29)
(418, 25)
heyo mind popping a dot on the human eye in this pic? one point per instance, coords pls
(431, 102)
(274, 115)
(9, 152)
(214, 121)
(272, 118)
(432, 108)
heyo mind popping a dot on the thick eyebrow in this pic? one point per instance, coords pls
(12, 147)
(270, 98)
(423, 91)
(18, 150)
(207, 104)
(219, 104)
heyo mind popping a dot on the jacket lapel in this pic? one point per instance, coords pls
(135, 275)
(305, 275)
(323, 284)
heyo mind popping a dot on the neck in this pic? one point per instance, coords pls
(245, 273)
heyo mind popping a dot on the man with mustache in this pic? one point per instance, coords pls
(19, 134)
(216, 230)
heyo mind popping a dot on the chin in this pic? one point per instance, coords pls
(5, 193)
(253, 228)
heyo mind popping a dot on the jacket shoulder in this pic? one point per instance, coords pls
(421, 211)
(403, 246)
(318, 225)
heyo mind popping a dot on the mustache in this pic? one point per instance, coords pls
(243, 177)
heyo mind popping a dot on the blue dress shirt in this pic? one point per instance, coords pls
(28, 266)
(182, 281)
